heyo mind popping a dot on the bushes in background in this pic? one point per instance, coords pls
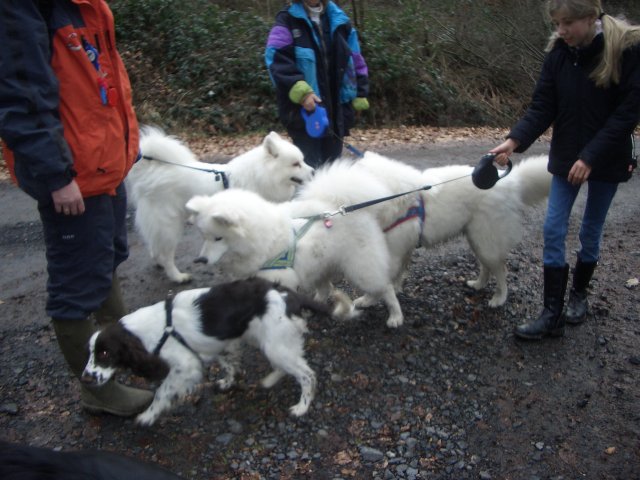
(199, 64)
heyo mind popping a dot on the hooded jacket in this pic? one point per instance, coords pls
(331, 64)
(591, 123)
(65, 98)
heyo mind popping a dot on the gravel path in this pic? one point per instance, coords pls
(450, 395)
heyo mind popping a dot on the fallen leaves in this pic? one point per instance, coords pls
(217, 148)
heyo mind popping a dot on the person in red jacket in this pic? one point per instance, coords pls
(70, 136)
(589, 90)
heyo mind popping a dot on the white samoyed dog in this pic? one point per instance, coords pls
(491, 220)
(297, 245)
(169, 174)
(372, 178)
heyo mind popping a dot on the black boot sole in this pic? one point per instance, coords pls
(558, 332)
(575, 320)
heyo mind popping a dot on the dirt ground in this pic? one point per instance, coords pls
(451, 394)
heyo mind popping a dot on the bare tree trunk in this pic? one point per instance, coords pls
(358, 14)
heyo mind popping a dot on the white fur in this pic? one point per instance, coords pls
(160, 190)
(277, 335)
(491, 220)
(243, 231)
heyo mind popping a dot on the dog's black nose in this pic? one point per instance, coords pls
(201, 260)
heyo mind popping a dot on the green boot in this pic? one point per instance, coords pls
(113, 397)
(112, 309)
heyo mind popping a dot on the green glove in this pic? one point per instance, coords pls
(360, 103)
(299, 90)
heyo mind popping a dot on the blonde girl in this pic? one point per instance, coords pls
(589, 92)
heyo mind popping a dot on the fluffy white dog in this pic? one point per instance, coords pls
(295, 245)
(169, 174)
(491, 220)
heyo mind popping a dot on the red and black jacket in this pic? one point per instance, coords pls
(62, 115)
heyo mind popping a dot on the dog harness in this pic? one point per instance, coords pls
(416, 211)
(170, 331)
(286, 258)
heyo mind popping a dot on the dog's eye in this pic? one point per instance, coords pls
(102, 355)
(297, 164)
(217, 239)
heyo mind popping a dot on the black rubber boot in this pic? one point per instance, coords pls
(550, 322)
(577, 306)
(113, 397)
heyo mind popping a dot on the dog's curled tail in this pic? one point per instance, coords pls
(533, 179)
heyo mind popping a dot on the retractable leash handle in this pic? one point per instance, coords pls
(315, 122)
(485, 175)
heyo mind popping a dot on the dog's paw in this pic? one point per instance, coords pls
(476, 284)
(395, 322)
(364, 301)
(348, 312)
(225, 383)
(299, 409)
(146, 418)
(497, 301)
(181, 278)
(271, 379)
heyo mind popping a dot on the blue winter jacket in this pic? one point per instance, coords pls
(591, 123)
(331, 64)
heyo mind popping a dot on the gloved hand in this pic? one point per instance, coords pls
(360, 103)
(300, 91)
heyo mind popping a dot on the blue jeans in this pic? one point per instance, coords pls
(556, 223)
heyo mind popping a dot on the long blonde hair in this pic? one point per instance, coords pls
(618, 36)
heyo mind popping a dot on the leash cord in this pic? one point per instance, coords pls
(347, 145)
(343, 210)
(218, 173)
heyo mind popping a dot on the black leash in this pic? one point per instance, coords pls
(170, 331)
(343, 210)
(220, 175)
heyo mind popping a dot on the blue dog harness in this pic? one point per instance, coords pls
(416, 211)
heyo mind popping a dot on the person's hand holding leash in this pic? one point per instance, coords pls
(504, 151)
(309, 102)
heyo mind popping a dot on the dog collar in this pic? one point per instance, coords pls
(169, 329)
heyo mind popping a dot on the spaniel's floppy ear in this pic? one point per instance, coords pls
(142, 362)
